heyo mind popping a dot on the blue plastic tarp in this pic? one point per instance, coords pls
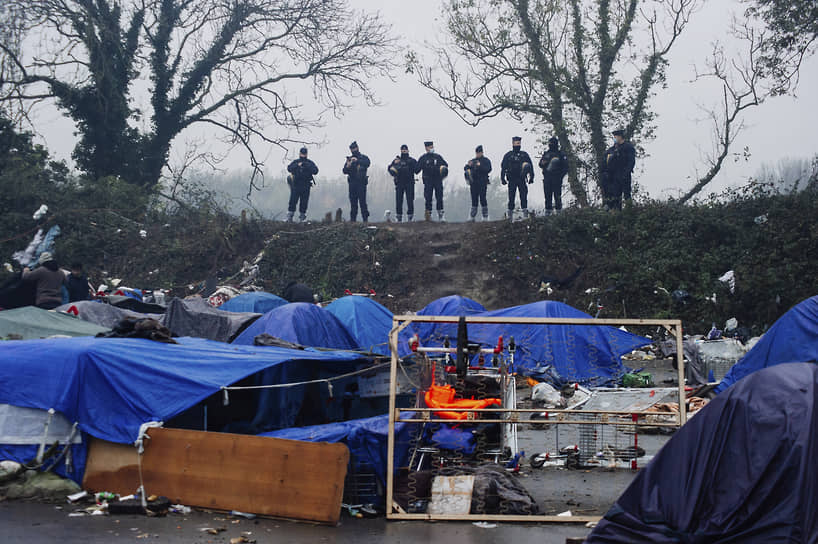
(435, 333)
(111, 386)
(742, 470)
(791, 339)
(369, 324)
(588, 354)
(300, 323)
(257, 302)
(365, 438)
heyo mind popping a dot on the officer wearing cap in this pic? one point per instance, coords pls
(403, 169)
(477, 172)
(355, 169)
(554, 165)
(516, 171)
(620, 160)
(301, 179)
(434, 168)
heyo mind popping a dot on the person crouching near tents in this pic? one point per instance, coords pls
(48, 280)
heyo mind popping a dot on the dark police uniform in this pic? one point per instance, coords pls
(554, 165)
(512, 173)
(357, 179)
(477, 176)
(403, 169)
(302, 171)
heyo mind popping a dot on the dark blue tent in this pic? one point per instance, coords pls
(742, 470)
(792, 339)
(257, 302)
(369, 324)
(111, 386)
(300, 323)
(434, 334)
(587, 354)
(366, 439)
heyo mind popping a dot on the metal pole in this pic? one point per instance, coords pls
(680, 364)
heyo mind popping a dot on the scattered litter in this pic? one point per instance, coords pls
(547, 395)
(180, 509)
(143, 233)
(592, 291)
(566, 514)
(729, 278)
(242, 514)
(77, 496)
(8, 267)
(143, 535)
(731, 324)
(240, 539)
(212, 530)
(41, 211)
(591, 524)
(761, 219)
(485, 525)
(76, 514)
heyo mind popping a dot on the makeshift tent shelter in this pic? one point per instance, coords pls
(742, 470)
(257, 302)
(112, 386)
(195, 317)
(300, 323)
(588, 354)
(369, 324)
(435, 333)
(31, 322)
(102, 314)
(793, 338)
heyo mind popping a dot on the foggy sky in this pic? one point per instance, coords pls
(784, 127)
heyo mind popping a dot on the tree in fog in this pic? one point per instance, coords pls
(232, 65)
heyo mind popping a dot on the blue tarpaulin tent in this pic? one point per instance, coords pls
(257, 302)
(742, 470)
(369, 324)
(435, 333)
(300, 323)
(792, 339)
(587, 354)
(111, 386)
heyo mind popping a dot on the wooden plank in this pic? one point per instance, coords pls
(262, 475)
(500, 320)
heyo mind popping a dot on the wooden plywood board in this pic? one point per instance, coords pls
(262, 475)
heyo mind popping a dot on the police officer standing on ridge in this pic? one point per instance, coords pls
(434, 168)
(554, 166)
(300, 181)
(516, 170)
(355, 168)
(403, 169)
(477, 176)
(620, 161)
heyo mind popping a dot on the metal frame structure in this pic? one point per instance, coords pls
(425, 415)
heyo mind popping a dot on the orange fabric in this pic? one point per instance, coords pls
(442, 396)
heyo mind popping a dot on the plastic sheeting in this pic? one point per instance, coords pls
(742, 470)
(365, 438)
(369, 324)
(195, 317)
(103, 314)
(257, 302)
(793, 338)
(32, 322)
(301, 323)
(588, 354)
(111, 386)
(435, 333)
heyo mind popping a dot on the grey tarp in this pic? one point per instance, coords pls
(102, 314)
(195, 317)
(31, 323)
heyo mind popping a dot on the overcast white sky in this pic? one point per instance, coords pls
(784, 127)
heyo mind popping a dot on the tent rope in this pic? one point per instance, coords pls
(328, 381)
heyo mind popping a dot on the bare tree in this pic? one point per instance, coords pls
(743, 86)
(563, 64)
(229, 64)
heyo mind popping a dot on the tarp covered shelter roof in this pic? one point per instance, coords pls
(257, 302)
(196, 317)
(103, 314)
(791, 339)
(31, 323)
(300, 323)
(452, 305)
(368, 322)
(742, 470)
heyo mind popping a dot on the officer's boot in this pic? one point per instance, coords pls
(302, 217)
(440, 216)
(290, 217)
(485, 213)
(525, 213)
(428, 215)
(399, 218)
(410, 218)
(473, 214)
